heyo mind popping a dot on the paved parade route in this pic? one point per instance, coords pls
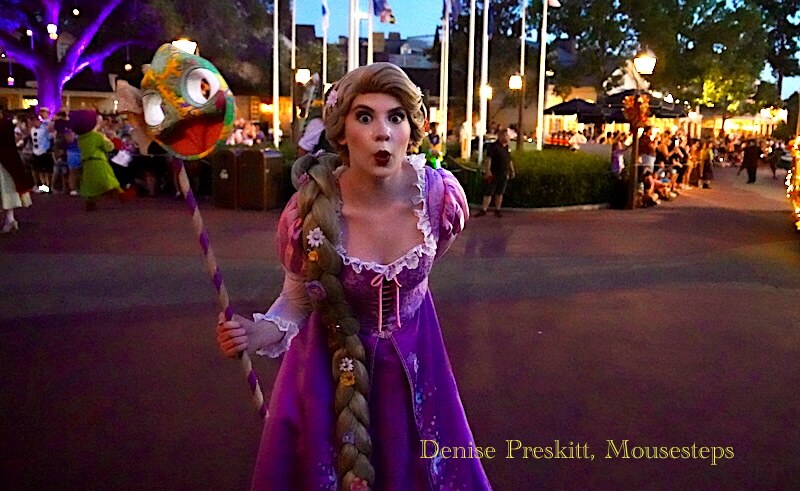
(605, 331)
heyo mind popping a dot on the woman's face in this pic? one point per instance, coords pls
(376, 133)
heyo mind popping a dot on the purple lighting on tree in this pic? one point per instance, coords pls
(52, 73)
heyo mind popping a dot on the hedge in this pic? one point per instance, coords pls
(549, 178)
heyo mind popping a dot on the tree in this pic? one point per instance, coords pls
(602, 37)
(83, 41)
(783, 30)
(237, 38)
(709, 51)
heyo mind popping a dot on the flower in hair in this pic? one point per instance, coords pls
(332, 98)
(315, 237)
(347, 379)
(303, 179)
(349, 437)
(313, 256)
(418, 90)
(346, 365)
(316, 292)
(359, 484)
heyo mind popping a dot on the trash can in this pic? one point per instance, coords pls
(260, 180)
(224, 172)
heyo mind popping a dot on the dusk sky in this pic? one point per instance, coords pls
(415, 18)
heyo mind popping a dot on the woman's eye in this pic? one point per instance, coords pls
(363, 118)
(397, 118)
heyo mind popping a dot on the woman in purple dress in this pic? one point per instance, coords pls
(367, 381)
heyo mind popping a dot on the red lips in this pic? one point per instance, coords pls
(382, 157)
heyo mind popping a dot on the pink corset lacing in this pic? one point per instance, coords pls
(378, 283)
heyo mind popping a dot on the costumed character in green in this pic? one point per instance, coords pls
(98, 176)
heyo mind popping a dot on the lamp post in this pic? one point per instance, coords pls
(517, 82)
(643, 64)
(542, 56)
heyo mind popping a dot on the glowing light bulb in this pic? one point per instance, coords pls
(29, 32)
(128, 67)
(10, 81)
(76, 12)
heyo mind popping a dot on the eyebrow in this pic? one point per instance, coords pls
(368, 108)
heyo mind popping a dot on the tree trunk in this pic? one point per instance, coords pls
(49, 89)
(779, 83)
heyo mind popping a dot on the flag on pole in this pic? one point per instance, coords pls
(490, 34)
(455, 8)
(384, 11)
(326, 19)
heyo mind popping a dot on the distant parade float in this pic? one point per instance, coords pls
(793, 181)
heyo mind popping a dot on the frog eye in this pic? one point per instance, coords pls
(201, 85)
(153, 112)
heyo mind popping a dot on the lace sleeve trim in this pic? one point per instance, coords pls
(284, 325)
(410, 260)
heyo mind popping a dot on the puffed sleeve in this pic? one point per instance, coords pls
(454, 211)
(289, 240)
(292, 308)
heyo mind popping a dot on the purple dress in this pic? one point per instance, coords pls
(413, 394)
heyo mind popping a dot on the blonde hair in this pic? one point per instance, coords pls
(378, 78)
(317, 203)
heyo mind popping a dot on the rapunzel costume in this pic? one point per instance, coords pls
(413, 395)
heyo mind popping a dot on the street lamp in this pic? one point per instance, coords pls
(302, 76)
(517, 82)
(643, 64)
(186, 45)
(542, 57)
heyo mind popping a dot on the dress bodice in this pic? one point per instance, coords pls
(383, 296)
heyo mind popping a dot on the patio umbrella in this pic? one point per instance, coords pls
(574, 106)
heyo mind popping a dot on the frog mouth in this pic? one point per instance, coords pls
(195, 137)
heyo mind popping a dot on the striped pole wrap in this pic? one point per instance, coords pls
(216, 279)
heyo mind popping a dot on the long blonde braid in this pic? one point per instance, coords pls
(317, 201)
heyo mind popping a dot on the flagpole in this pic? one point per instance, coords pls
(294, 35)
(370, 27)
(352, 40)
(325, 21)
(522, 38)
(484, 80)
(276, 122)
(293, 66)
(542, 56)
(444, 93)
(470, 81)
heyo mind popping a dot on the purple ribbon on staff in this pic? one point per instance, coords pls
(216, 279)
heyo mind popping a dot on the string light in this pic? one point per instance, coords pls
(52, 30)
(10, 78)
(793, 181)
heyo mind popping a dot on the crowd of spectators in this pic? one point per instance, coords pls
(672, 163)
(49, 150)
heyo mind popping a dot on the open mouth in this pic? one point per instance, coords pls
(195, 137)
(382, 157)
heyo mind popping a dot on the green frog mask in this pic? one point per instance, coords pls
(186, 105)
